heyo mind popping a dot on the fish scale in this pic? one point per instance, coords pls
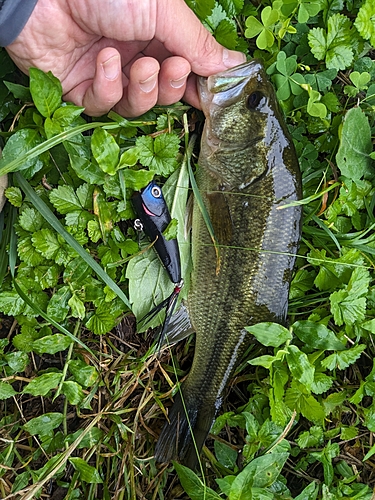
(245, 173)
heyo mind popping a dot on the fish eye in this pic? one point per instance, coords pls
(253, 100)
(156, 192)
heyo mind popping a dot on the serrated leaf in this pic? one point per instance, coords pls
(270, 334)
(65, 200)
(44, 424)
(365, 21)
(159, 153)
(355, 145)
(46, 91)
(310, 408)
(335, 44)
(202, 8)
(40, 386)
(51, 344)
(226, 34)
(343, 359)
(30, 220)
(193, 485)
(102, 321)
(232, 7)
(6, 390)
(317, 336)
(14, 195)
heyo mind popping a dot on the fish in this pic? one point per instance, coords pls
(153, 218)
(247, 170)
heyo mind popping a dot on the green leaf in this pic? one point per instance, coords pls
(226, 455)
(261, 472)
(65, 200)
(51, 344)
(86, 472)
(226, 34)
(202, 8)
(30, 220)
(17, 361)
(11, 303)
(40, 386)
(232, 7)
(309, 493)
(58, 306)
(19, 91)
(87, 170)
(73, 392)
(103, 320)
(254, 27)
(193, 485)
(317, 336)
(159, 153)
(297, 400)
(19, 144)
(270, 334)
(128, 158)
(77, 307)
(365, 21)
(6, 390)
(137, 179)
(46, 91)
(335, 44)
(300, 366)
(84, 374)
(44, 424)
(355, 147)
(343, 359)
(105, 150)
(170, 232)
(14, 195)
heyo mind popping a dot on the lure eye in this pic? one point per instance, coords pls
(253, 100)
(156, 192)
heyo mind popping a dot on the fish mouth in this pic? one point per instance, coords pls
(225, 86)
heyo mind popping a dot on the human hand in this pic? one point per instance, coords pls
(122, 54)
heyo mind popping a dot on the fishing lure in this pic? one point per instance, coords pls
(153, 219)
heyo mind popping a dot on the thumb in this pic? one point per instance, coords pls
(182, 34)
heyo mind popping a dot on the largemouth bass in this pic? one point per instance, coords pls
(247, 169)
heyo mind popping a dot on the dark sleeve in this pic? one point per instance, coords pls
(13, 17)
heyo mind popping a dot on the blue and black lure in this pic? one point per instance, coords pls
(153, 219)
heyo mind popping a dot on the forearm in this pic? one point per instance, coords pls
(13, 17)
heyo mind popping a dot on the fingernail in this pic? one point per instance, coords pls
(233, 58)
(111, 68)
(180, 82)
(149, 84)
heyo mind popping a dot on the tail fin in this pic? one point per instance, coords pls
(176, 440)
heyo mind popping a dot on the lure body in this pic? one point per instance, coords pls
(152, 211)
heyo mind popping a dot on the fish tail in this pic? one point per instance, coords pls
(182, 438)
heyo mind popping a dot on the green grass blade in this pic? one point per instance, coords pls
(57, 226)
(4, 240)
